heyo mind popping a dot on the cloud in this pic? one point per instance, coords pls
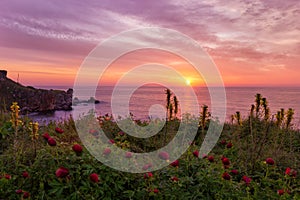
(245, 32)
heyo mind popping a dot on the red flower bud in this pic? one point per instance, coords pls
(59, 130)
(94, 177)
(128, 155)
(77, 148)
(229, 145)
(225, 161)
(148, 175)
(175, 163)
(210, 158)
(26, 195)
(175, 179)
(226, 176)
(163, 155)
(25, 174)
(106, 151)
(51, 142)
(246, 179)
(196, 153)
(234, 172)
(62, 172)
(270, 161)
(46, 136)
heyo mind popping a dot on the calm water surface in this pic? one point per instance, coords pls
(238, 99)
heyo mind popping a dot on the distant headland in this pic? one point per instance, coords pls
(31, 99)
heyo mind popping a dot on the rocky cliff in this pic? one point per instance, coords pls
(31, 99)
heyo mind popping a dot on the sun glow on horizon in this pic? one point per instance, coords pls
(188, 81)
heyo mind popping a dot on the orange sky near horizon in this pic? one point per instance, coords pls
(252, 43)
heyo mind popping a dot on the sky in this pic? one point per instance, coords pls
(252, 42)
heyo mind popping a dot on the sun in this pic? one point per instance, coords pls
(188, 81)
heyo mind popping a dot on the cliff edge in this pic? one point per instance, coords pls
(31, 99)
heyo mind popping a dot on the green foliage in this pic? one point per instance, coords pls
(246, 144)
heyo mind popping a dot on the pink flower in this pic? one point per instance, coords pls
(155, 190)
(62, 172)
(270, 161)
(59, 130)
(246, 179)
(128, 155)
(148, 175)
(163, 155)
(51, 142)
(175, 163)
(225, 161)
(106, 151)
(229, 145)
(147, 166)
(93, 132)
(196, 153)
(46, 136)
(77, 148)
(210, 158)
(226, 176)
(25, 174)
(234, 172)
(175, 179)
(94, 177)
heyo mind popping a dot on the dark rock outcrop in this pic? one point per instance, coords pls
(31, 99)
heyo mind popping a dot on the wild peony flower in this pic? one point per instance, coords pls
(94, 177)
(225, 161)
(246, 179)
(148, 175)
(62, 172)
(19, 191)
(229, 145)
(175, 163)
(291, 172)
(128, 155)
(59, 130)
(111, 141)
(234, 172)
(7, 176)
(155, 190)
(210, 158)
(51, 141)
(147, 166)
(77, 148)
(226, 176)
(280, 192)
(163, 155)
(223, 142)
(46, 136)
(25, 174)
(288, 171)
(106, 151)
(174, 179)
(121, 133)
(26, 195)
(270, 161)
(196, 153)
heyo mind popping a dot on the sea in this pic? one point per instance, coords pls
(149, 101)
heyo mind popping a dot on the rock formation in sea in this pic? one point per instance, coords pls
(31, 99)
